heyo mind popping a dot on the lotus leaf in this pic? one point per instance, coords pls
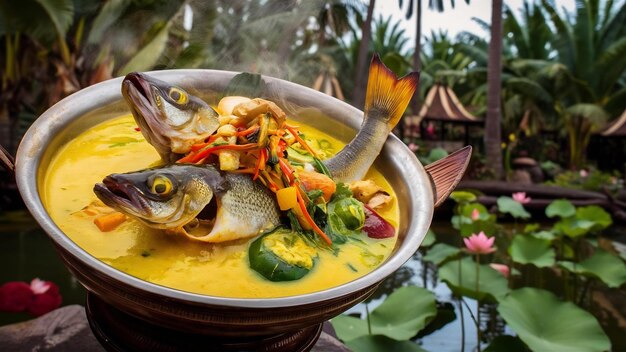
(595, 214)
(429, 239)
(492, 284)
(441, 252)
(463, 196)
(377, 343)
(545, 323)
(402, 315)
(602, 265)
(508, 206)
(561, 207)
(532, 250)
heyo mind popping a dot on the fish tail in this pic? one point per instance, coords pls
(387, 96)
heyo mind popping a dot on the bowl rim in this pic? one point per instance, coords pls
(33, 146)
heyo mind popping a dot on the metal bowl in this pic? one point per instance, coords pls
(210, 315)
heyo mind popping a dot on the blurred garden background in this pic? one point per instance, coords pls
(537, 87)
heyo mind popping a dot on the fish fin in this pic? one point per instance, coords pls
(386, 93)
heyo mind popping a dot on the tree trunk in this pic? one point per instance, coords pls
(493, 131)
(417, 65)
(417, 61)
(360, 84)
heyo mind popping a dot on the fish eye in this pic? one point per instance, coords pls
(161, 185)
(178, 96)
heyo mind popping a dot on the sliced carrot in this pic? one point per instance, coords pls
(205, 152)
(308, 218)
(300, 140)
(284, 167)
(110, 221)
(246, 131)
(260, 165)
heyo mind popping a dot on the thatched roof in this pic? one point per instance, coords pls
(326, 82)
(442, 104)
(616, 128)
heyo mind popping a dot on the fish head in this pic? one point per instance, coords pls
(164, 198)
(170, 118)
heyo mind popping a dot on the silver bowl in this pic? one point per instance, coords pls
(220, 316)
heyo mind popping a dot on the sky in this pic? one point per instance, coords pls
(454, 20)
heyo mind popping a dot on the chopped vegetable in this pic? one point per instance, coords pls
(295, 155)
(110, 221)
(287, 198)
(350, 211)
(375, 226)
(281, 255)
(310, 221)
(253, 138)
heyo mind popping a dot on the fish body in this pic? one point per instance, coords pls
(171, 119)
(386, 100)
(172, 198)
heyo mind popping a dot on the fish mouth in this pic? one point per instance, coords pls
(138, 92)
(122, 195)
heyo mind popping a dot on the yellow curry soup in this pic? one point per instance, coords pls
(115, 146)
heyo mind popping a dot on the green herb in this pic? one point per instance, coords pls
(352, 267)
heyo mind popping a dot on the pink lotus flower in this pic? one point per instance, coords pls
(503, 269)
(414, 147)
(475, 214)
(583, 173)
(521, 198)
(479, 244)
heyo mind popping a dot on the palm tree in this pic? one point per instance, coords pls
(360, 85)
(493, 130)
(417, 4)
(591, 48)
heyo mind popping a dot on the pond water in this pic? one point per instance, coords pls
(26, 253)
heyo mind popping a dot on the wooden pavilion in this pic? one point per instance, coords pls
(443, 106)
(617, 128)
(609, 143)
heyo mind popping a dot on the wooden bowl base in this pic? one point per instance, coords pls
(119, 331)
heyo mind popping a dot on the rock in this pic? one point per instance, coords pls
(64, 329)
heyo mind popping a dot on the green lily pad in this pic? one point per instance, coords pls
(532, 250)
(602, 265)
(529, 228)
(377, 343)
(493, 285)
(562, 208)
(402, 315)
(463, 196)
(506, 343)
(595, 214)
(508, 206)
(545, 235)
(429, 239)
(545, 323)
(467, 226)
(441, 252)
(574, 227)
